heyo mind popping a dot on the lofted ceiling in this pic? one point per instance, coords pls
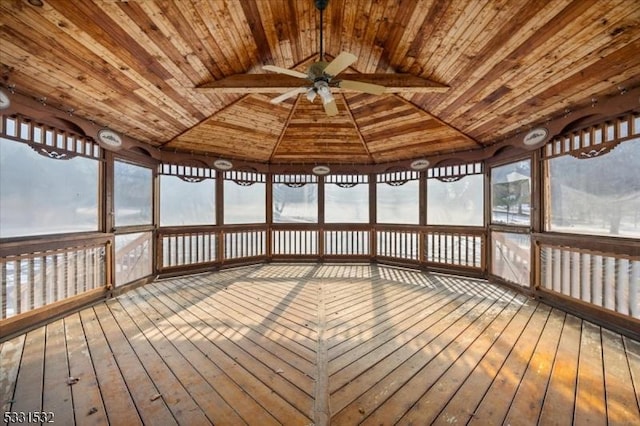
(162, 71)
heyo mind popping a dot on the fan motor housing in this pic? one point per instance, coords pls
(321, 4)
(316, 71)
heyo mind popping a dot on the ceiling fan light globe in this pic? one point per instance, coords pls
(324, 92)
(311, 95)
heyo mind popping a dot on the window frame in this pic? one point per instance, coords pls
(24, 132)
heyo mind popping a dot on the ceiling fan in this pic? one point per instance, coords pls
(321, 76)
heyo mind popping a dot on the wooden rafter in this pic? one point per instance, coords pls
(444, 123)
(355, 125)
(284, 128)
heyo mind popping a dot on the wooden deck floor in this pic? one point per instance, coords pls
(319, 344)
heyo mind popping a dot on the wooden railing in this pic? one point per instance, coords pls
(36, 273)
(245, 242)
(347, 241)
(295, 240)
(462, 247)
(398, 242)
(456, 247)
(603, 274)
(180, 247)
(201, 247)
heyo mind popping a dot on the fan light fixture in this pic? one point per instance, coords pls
(321, 170)
(109, 139)
(420, 164)
(311, 95)
(322, 88)
(221, 164)
(535, 136)
(5, 102)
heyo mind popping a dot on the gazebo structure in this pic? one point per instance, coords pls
(320, 212)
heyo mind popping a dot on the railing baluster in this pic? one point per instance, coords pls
(40, 278)
(386, 242)
(610, 274)
(634, 290)
(622, 286)
(465, 243)
(585, 277)
(30, 284)
(575, 274)
(65, 275)
(596, 280)
(3, 289)
(184, 250)
(566, 272)
(18, 287)
(556, 258)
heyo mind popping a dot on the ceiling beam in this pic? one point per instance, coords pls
(278, 83)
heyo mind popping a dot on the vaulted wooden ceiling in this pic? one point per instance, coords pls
(144, 68)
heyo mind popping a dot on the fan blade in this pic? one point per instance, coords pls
(280, 70)
(289, 94)
(372, 89)
(340, 63)
(331, 108)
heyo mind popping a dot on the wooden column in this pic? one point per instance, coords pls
(373, 216)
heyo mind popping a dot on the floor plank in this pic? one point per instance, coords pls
(622, 402)
(56, 397)
(590, 403)
(295, 337)
(632, 349)
(226, 354)
(10, 356)
(268, 315)
(496, 401)
(107, 392)
(558, 408)
(168, 343)
(249, 345)
(529, 397)
(397, 321)
(27, 396)
(397, 375)
(322, 344)
(152, 409)
(406, 400)
(441, 389)
(203, 355)
(400, 345)
(462, 405)
(163, 376)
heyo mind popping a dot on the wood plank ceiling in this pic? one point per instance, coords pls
(137, 67)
